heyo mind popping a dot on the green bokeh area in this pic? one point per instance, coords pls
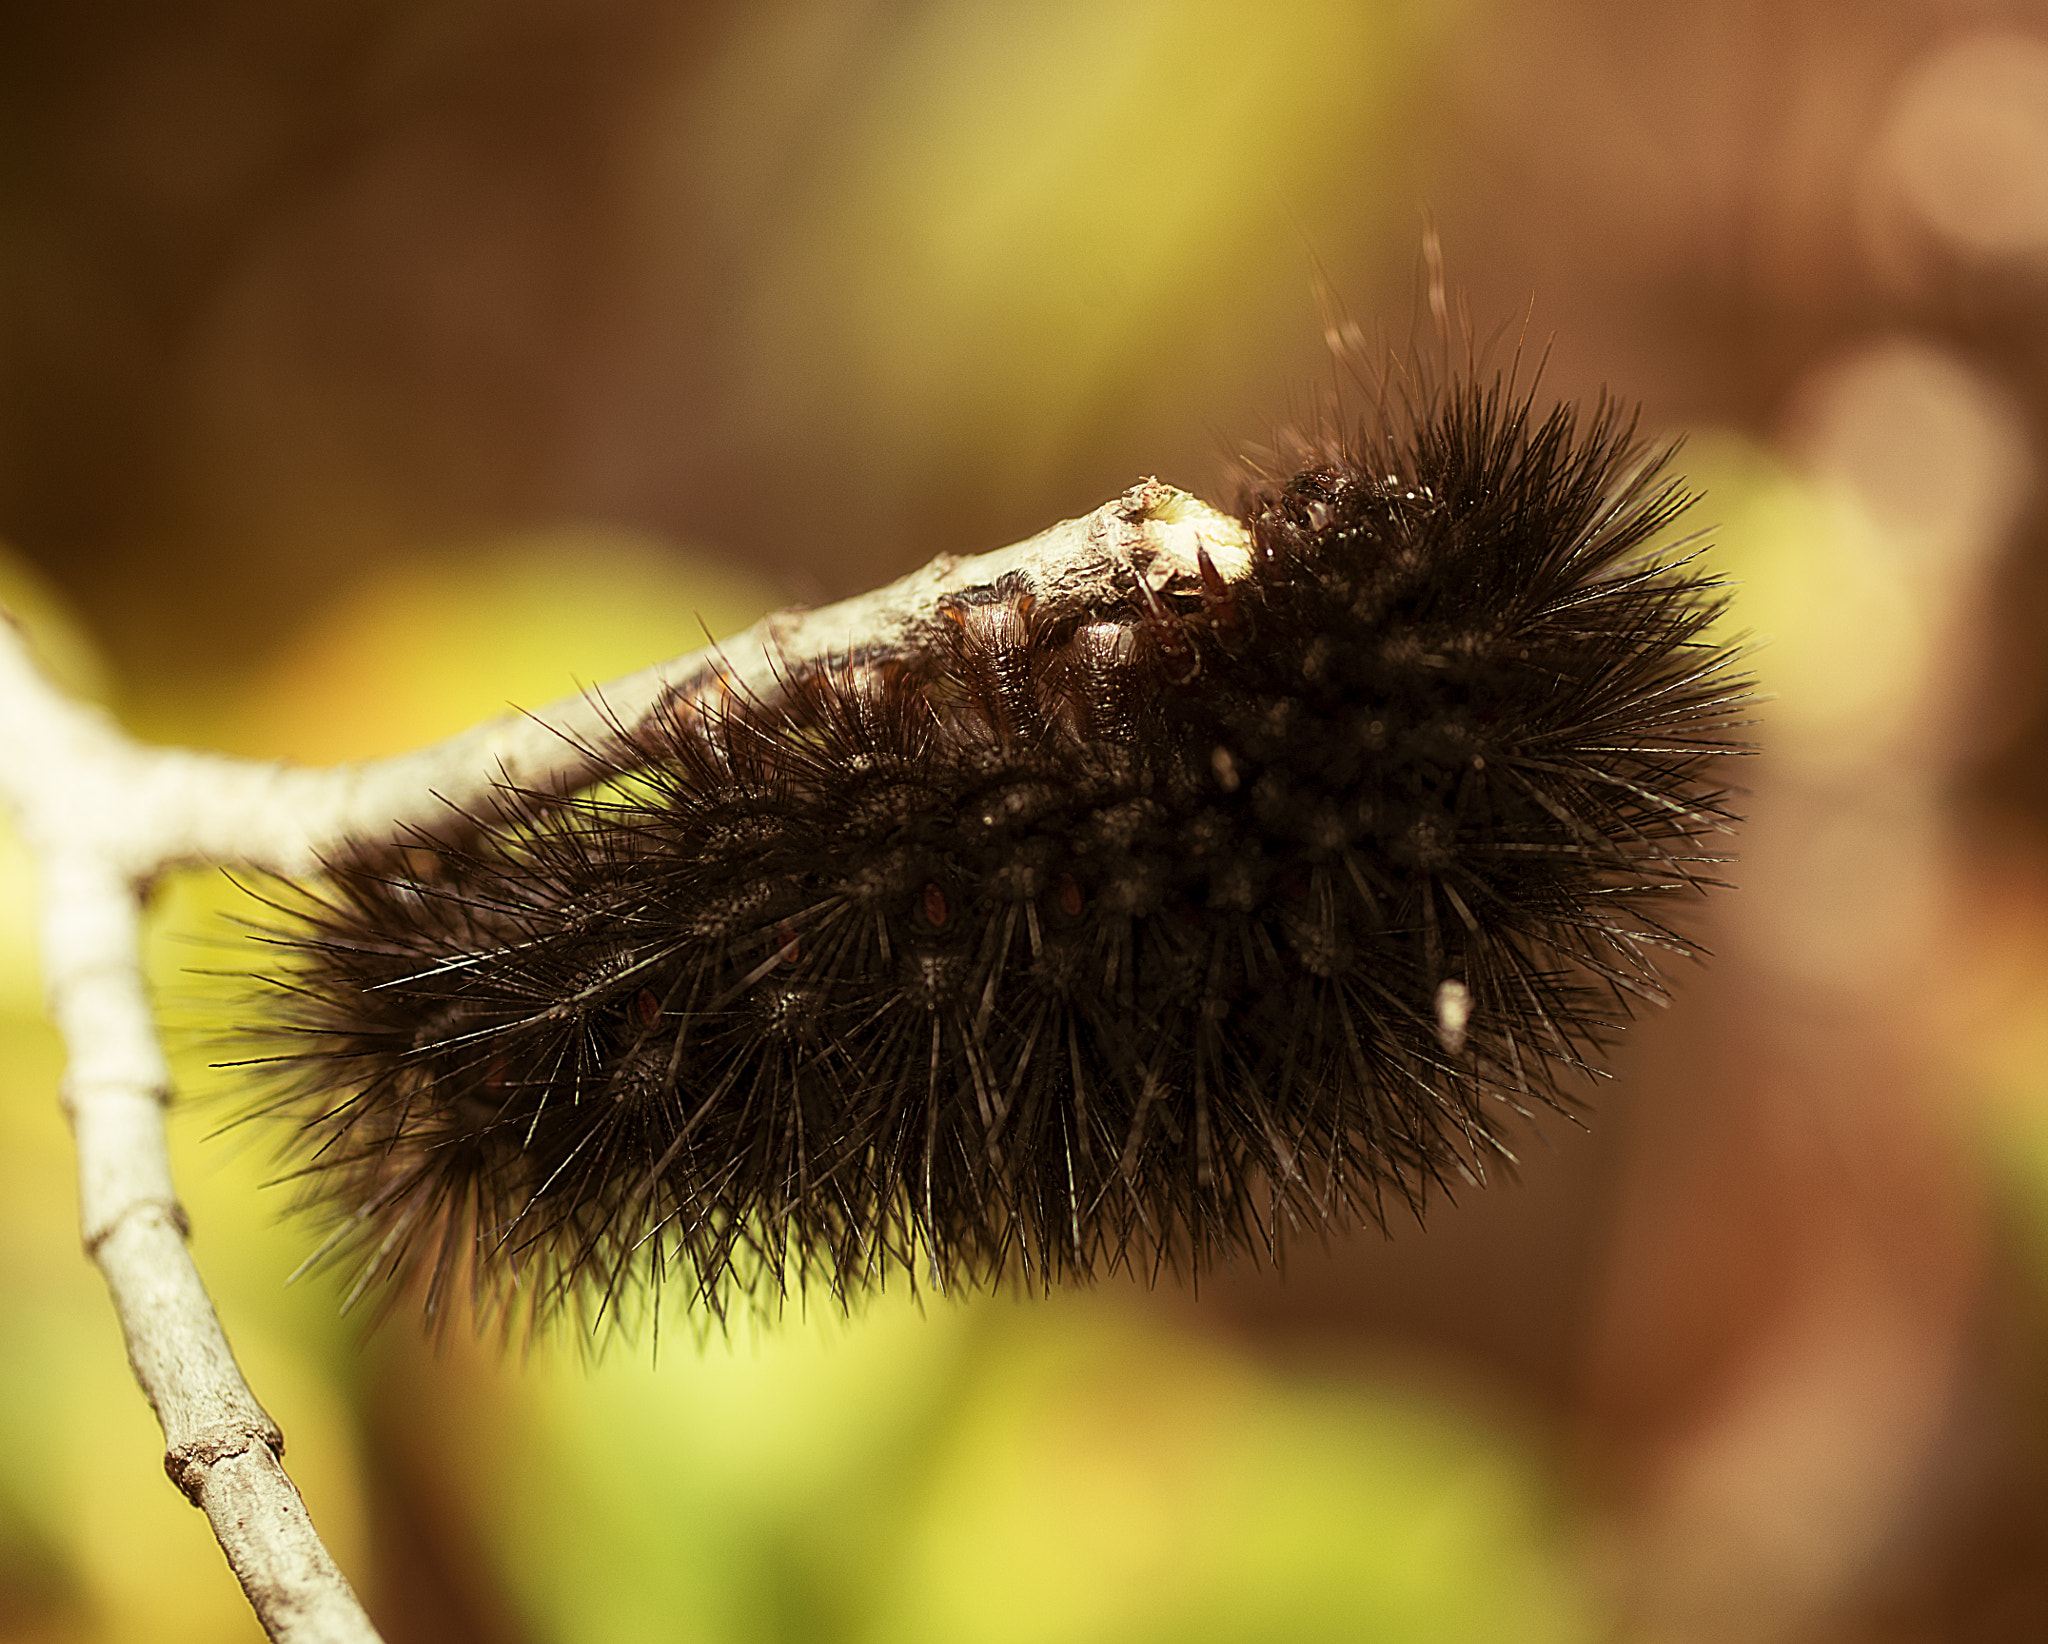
(1016, 1472)
(1092, 1467)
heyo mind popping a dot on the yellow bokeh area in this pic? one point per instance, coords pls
(433, 643)
(1029, 205)
(1020, 1473)
(1836, 639)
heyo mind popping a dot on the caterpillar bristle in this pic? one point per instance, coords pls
(1129, 938)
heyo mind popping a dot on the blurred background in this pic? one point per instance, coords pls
(367, 367)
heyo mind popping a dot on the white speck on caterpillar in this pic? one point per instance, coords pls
(1453, 1011)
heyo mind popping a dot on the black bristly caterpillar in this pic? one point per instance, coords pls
(1145, 933)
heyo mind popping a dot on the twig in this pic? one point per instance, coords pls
(104, 816)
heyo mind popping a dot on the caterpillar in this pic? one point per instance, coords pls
(1154, 932)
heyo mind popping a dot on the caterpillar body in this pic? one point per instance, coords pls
(1149, 933)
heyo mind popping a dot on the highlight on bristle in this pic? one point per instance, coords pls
(1146, 934)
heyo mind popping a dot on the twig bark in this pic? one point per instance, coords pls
(103, 816)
